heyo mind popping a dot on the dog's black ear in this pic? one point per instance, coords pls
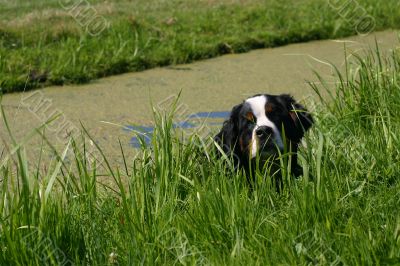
(301, 117)
(228, 136)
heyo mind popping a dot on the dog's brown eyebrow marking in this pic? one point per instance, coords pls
(250, 116)
(268, 108)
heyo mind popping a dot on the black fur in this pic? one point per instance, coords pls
(290, 118)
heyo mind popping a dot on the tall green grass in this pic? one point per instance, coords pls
(41, 44)
(176, 204)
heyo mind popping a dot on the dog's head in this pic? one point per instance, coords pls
(264, 124)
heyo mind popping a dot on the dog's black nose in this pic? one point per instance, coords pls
(264, 132)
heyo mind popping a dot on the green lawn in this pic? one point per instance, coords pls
(42, 43)
(176, 204)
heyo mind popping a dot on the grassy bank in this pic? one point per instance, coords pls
(175, 204)
(42, 43)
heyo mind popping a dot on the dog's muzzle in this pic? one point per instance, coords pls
(264, 133)
(265, 142)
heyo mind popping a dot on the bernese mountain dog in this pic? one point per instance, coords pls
(263, 128)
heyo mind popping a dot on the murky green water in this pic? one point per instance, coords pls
(108, 105)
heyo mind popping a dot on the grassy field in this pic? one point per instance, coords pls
(176, 204)
(44, 42)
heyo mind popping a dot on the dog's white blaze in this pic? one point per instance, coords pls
(257, 105)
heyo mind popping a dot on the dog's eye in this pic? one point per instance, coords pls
(250, 117)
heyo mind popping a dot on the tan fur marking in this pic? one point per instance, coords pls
(269, 108)
(250, 116)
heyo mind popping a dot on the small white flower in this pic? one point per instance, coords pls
(112, 258)
(300, 249)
